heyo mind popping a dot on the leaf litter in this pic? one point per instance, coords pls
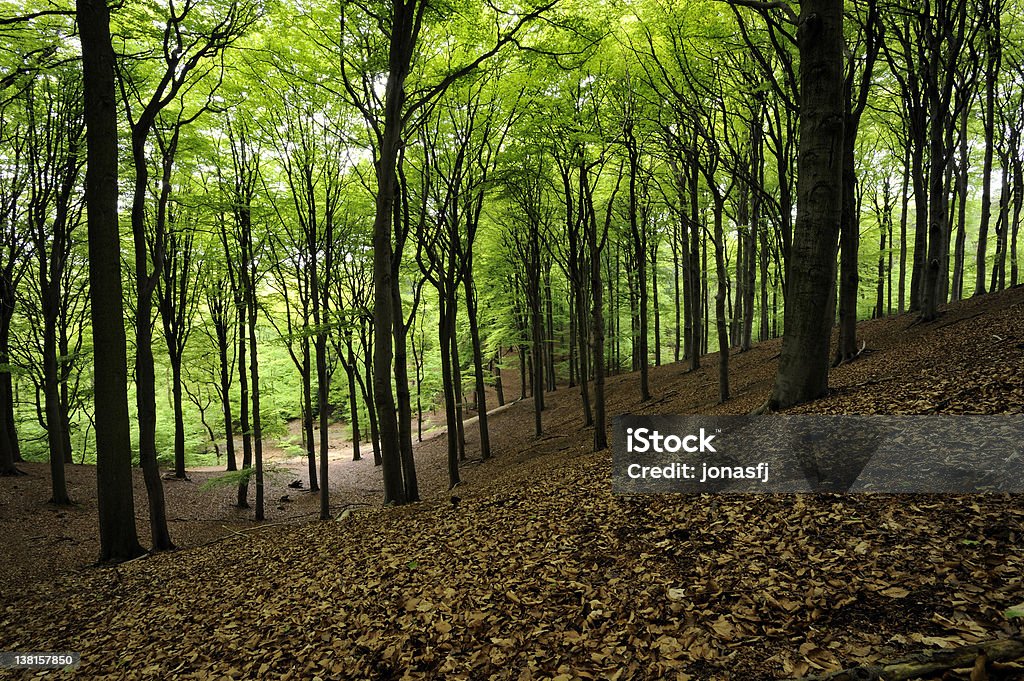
(542, 573)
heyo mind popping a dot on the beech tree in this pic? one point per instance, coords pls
(115, 501)
(587, 191)
(387, 117)
(13, 267)
(53, 216)
(804, 360)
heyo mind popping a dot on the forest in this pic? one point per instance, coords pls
(370, 248)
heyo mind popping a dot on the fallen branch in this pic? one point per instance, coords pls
(929, 662)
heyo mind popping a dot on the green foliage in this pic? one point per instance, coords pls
(241, 477)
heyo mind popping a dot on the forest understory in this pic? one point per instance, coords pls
(536, 570)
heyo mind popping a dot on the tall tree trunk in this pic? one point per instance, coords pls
(721, 324)
(145, 380)
(904, 208)
(8, 430)
(402, 41)
(403, 394)
(849, 257)
(639, 233)
(115, 501)
(307, 414)
(179, 417)
(496, 373)
(676, 291)
(350, 371)
(963, 178)
(460, 429)
(595, 246)
(225, 394)
(764, 329)
(1018, 205)
(370, 402)
(254, 374)
(750, 286)
(655, 304)
(522, 372)
(243, 414)
(695, 322)
(323, 388)
(998, 282)
(804, 360)
(478, 362)
(444, 338)
(992, 63)
(920, 182)
(537, 324)
(51, 389)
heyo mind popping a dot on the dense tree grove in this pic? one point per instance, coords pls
(218, 216)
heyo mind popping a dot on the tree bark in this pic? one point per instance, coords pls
(478, 361)
(804, 360)
(115, 501)
(721, 324)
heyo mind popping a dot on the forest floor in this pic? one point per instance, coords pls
(540, 571)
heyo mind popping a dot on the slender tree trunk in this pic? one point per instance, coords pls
(459, 394)
(145, 380)
(496, 373)
(522, 372)
(764, 329)
(444, 339)
(657, 306)
(1018, 205)
(478, 362)
(538, 336)
(368, 397)
(998, 282)
(254, 373)
(51, 389)
(323, 386)
(350, 371)
(403, 395)
(676, 292)
(145, 395)
(225, 395)
(721, 324)
(849, 279)
(179, 417)
(640, 254)
(750, 287)
(307, 415)
(64, 402)
(8, 432)
(988, 124)
(243, 414)
(695, 322)
(920, 223)
(904, 208)
(880, 284)
(594, 246)
(963, 178)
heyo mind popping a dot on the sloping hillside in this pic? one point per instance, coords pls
(540, 572)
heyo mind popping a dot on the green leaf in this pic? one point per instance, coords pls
(1014, 612)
